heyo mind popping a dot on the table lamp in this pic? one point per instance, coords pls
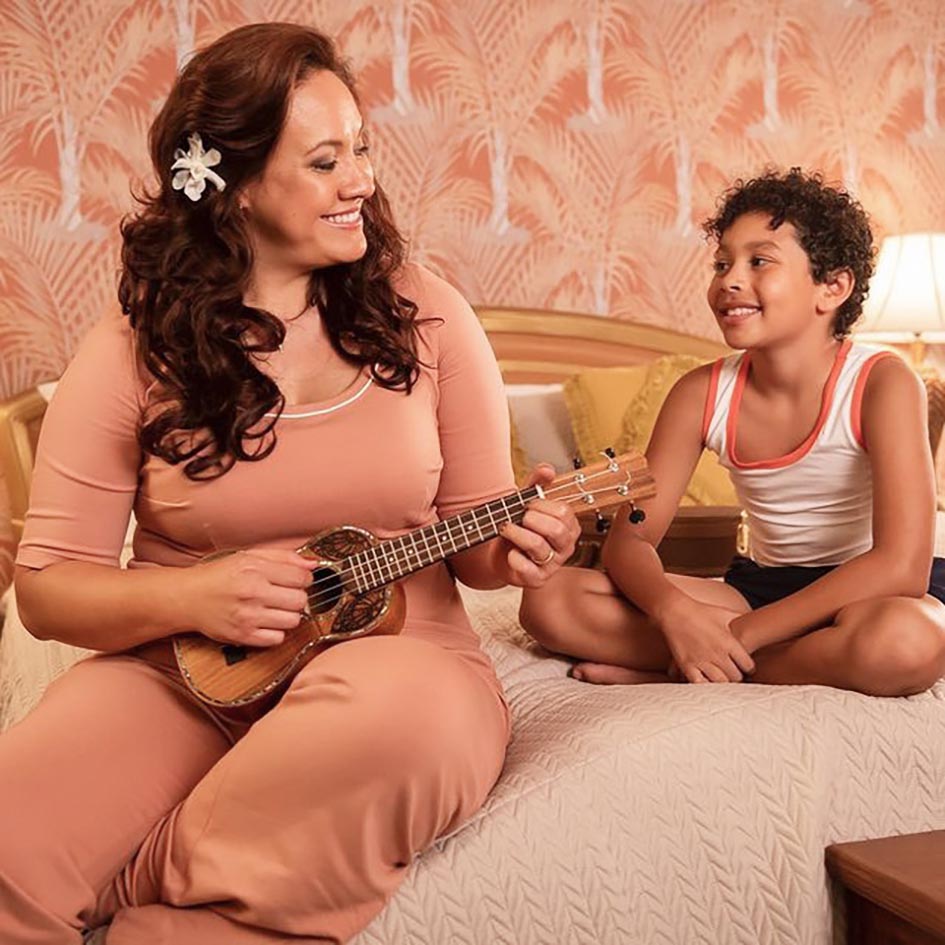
(906, 303)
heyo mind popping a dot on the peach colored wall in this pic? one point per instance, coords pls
(547, 153)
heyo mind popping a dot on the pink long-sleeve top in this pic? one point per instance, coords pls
(380, 459)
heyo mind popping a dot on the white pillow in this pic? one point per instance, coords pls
(542, 424)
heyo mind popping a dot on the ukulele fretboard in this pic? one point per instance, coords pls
(394, 559)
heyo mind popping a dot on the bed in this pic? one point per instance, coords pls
(637, 815)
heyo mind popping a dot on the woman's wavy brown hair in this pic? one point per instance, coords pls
(186, 265)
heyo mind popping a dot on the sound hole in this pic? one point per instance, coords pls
(325, 590)
(233, 654)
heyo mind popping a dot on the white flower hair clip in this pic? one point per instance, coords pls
(193, 168)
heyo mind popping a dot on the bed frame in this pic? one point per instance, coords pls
(531, 345)
(537, 346)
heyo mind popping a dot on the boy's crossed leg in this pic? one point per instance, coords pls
(883, 647)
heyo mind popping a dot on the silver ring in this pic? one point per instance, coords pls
(545, 561)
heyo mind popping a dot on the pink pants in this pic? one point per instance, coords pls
(124, 800)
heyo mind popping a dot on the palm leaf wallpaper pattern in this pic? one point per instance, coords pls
(546, 153)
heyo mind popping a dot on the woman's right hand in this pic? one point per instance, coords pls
(702, 644)
(249, 597)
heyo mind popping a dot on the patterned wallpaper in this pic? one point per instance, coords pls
(545, 153)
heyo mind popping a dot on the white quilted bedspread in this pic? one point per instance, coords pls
(648, 814)
(667, 813)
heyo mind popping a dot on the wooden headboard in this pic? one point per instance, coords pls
(531, 345)
(537, 346)
(20, 420)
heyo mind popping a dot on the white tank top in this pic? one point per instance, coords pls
(814, 505)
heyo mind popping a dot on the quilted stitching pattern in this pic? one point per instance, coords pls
(667, 814)
(649, 814)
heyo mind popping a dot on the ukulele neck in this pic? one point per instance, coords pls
(396, 558)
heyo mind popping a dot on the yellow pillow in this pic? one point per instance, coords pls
(710, 483)
(597, 400)
(520, 467)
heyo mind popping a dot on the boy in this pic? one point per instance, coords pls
(826, 444)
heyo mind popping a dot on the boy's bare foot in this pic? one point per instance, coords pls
(607, 675)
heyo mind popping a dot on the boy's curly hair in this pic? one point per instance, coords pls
(832, 228)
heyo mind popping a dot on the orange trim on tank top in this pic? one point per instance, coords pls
(856, 407)
(799, 452)
(709, 410)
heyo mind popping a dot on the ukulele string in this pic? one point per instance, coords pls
(316, 586)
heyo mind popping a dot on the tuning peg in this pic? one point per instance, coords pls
(636, 515)
(609, 452)
(577, 463)
(602, 524)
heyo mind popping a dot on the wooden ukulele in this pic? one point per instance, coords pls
(354, 590)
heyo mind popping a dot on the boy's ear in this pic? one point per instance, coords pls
(835, 290)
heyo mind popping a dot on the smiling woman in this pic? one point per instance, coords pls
(281, 370)
(304, 211)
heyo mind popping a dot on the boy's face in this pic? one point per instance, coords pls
(762, 290)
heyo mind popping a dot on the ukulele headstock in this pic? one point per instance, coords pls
(612, 480)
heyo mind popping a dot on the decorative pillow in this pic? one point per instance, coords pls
(710, 483)
(520, 467)
(596, 400)
(541, 429)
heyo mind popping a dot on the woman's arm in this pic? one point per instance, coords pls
(68, 580)
(251, 597)
(473, 423)
(100, 607)
(894, 422)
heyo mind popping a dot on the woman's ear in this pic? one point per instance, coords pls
(244, 199)
(835, 290)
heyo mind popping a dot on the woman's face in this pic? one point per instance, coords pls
(304, 212)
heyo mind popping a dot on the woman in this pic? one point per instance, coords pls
(281, 370)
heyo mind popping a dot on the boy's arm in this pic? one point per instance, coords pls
(894, 423)
(629, 553)
(698, 636)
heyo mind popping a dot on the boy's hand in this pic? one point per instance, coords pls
(702, 644)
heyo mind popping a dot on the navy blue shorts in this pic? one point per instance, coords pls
(760, 585)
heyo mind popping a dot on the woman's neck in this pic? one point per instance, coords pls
(282, 294)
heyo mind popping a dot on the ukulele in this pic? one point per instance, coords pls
(354, 590)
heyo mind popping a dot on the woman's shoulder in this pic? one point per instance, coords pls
(432, 294)
(106, 357)
(445, 320)
(112, 335)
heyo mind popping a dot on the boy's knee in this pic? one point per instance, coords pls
(543, 615)
(896, 650)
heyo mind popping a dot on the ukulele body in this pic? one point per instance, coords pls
(231, 675)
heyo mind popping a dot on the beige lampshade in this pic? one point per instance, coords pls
(907, 292)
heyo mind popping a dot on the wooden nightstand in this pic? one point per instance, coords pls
(894, 888)
(700, 541)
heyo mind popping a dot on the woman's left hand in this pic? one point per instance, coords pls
(528, 554)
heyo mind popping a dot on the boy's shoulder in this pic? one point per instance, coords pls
(701, 376)
(889, 367)
(891, 384)
(692, 389)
